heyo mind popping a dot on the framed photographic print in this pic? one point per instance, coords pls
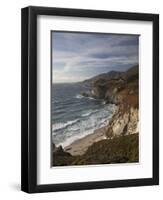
(90, 99)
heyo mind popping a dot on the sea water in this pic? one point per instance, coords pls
(74, 116)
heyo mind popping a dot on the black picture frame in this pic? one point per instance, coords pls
(29, 99)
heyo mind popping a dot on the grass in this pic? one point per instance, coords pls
(123, 149)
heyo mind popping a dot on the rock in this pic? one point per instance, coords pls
(133, 125)
(98, 91)
(123, 123)
(59, 151)
(85, 94)
(122, 89)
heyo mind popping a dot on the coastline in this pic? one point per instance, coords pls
(80, 146)
(118, 140)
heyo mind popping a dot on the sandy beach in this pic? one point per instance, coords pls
(80, 146)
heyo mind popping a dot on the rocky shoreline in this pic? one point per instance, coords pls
(122, 89)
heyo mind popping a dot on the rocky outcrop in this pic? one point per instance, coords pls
(59, 151)
(122, 145)
(123, 123)
(122, 89)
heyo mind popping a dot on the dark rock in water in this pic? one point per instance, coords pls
(85, 94)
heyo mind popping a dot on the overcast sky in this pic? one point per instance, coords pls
(79, 56)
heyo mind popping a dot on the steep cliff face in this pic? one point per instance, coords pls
(122, 145)
(121, 90)
(123, 123)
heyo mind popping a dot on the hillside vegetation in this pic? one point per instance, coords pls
(122, 149)
(122, 132)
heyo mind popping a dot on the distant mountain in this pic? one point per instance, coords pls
(112, 75)
(111, 86)
(105, 76)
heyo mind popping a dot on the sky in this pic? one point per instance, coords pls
(80, 56)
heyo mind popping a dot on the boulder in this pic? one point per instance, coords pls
(59, 151)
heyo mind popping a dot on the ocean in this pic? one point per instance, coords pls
(75, 116)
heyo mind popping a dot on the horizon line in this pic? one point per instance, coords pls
(94, 76)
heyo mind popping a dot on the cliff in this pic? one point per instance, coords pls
(122, 136)
(122, 89)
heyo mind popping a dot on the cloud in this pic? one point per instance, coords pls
(78, 56)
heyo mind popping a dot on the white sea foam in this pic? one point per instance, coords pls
(77, 129)
(79, 96)
(70, 140)
(82, 134)
(91, 98)
(88, 113)
(58, 126)
(103, 102)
